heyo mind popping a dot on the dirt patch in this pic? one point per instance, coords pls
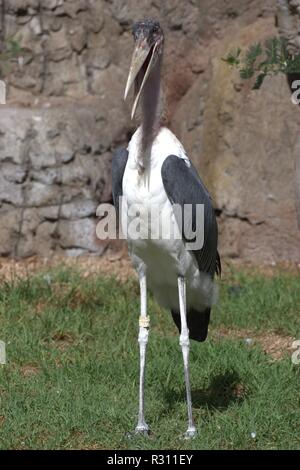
(116, 264)
(239, 391)
(62, 340)
(272, 343)
(29, 370)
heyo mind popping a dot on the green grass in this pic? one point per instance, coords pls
(71, 376)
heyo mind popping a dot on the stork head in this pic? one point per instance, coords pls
(148, 37)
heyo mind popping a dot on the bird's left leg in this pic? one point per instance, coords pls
(185, 347)
(142, 426)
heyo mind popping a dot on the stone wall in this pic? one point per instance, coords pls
(65, 114)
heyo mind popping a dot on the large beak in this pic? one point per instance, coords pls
(140, 54)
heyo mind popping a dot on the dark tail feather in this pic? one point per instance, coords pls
(218, 265)
(197, 323)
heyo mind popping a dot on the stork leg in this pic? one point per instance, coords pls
(185, 347)
(142, 426)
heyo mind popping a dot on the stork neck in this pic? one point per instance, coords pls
(151, 113)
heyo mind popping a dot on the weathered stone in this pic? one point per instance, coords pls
(52, 4)
(50, 213)
(73, 252)
(38, 194)
(74, 173)
(36, 236)
(55, 153)
(12, 172)
(58, 45)
(27, 74)
(76, 191)
(79, 234)
(94, 22)
(74, 7)
(250, 182)
(45, 240)
(16, 6)
(78, 38)
(63, 150)
(14, 128)
(56, 24)
(76, 89)
(35, 26)
(10, 192)
(78, 209)
(9, 232)
(98, 59)
(47, 176)
(23, 19)
(100, 177)
(41, 156)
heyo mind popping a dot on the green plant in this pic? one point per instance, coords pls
(259, 60)
(11, 51)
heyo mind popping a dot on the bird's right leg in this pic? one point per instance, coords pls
(185, 347)
(142, 426)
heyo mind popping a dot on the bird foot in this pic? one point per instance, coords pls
(191, 433)
(140, 430)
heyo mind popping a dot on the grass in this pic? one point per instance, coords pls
(71, 376)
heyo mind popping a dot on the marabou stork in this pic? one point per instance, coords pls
(154, 170)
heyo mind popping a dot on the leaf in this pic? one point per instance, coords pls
(293, 65)
(246, 73)
(273, 48)
(253, 52)
(233, 57)
(259, 81)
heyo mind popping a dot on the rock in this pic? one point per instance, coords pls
(10, 192)
(15, 6)
(63, 150)
(78, 38)
(35, 25)
(46, 176)
(75, 173)
(37, 232)
(65, 114)
(10, 221)
(45, 240)
(52, 4)
(49, 213)
(78, 208)
(58, 45)
(79, 234)
(38, 194)
(74, 7)
(12, 172)
(240, 174)
(41, 155)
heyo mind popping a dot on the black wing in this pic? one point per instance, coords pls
(184, 186)
(118, 164)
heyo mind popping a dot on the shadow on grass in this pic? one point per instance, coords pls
(224, 389)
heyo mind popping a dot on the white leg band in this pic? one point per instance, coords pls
(144, 321)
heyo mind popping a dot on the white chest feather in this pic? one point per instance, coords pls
(163, 253)
(146, 192)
